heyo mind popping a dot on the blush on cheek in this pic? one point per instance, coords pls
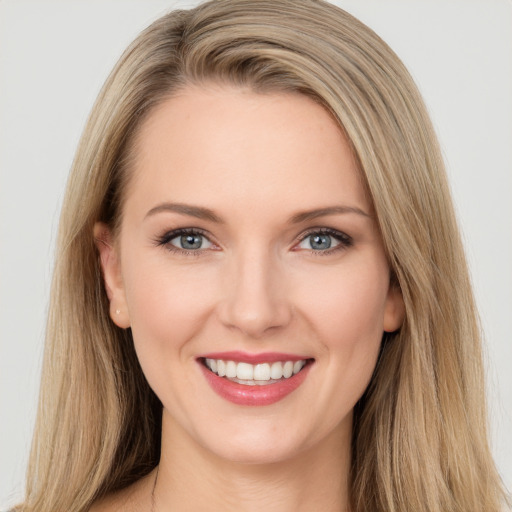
(354, 307)
(168, 307)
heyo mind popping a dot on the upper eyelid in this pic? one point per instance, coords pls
(323, 230)
(166, 237)
(173, 233)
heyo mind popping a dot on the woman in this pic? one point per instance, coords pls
(253, 303)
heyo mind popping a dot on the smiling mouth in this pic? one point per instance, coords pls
(261, 374)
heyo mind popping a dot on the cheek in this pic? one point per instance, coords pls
(348, 307)
(347, 318)
(167, 305)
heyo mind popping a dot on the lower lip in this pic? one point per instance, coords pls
(242, 394)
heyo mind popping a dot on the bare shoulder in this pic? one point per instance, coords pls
(133, 498)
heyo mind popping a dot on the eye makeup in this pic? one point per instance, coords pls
(193, 241)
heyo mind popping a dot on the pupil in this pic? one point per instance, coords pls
(190, 241)
(320, 241)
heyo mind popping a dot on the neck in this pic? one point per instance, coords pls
(192, 478)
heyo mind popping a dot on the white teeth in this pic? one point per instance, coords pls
(221, 368)
(276, 371)
(297, 366)
(244, 371)
(262, 372)
(230, 369)
(253, 375)
(288, 369)
(212, 364)
(254, 382)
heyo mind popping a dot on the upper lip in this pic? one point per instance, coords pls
(245, 357)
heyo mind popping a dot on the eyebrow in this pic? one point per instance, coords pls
(185, 209)
(330, 210)
(200, 212)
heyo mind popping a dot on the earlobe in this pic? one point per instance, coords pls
(112, 278)
(395, 309)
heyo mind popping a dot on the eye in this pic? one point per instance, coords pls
(190, 241)
(324, 240)
(185, 241)
(318, 242)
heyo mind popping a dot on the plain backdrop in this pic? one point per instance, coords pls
(54, 57)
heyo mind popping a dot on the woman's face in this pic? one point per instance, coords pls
(247, 237)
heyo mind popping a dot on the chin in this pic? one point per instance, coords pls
(257, 455)
(257, 447)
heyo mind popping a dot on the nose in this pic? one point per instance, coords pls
(255, 300)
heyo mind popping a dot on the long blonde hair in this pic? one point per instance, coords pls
(420, 435)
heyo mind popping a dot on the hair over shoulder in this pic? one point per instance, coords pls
(420, 430)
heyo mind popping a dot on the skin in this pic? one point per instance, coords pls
(257, 285)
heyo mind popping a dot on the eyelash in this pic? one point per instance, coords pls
(345, 241)
(165, 241)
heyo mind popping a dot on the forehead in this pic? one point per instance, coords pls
(230, 144)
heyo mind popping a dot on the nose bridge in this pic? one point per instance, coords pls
(255, 299)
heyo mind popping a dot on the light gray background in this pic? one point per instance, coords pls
(54, 56)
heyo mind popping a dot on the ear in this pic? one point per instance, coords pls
(111, 267)
(394, 312)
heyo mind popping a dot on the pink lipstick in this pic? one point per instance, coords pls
(254, 379)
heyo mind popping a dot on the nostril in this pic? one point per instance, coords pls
(255, 319)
